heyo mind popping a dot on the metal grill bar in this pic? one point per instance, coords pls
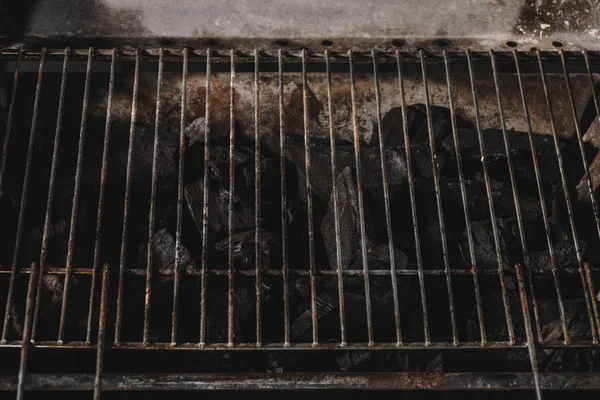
(26, 332)
(230, 276)
(205, 195)
(257, 202)
(101, 195)
(9, 121)
(75, 205)
(438, 198)
(284, 218)
(413, 205)
(361, 209)
(336, 213)
(51, 185)
(152, 213)
(386, 198)
(123, 258)
(25, 191)
(309, 204)
(101, 334)
(184, 76)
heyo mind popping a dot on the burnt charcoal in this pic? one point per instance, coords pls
(348, 222)
(421, 157)
(196, 131)
(564, 251)
(592, 135)
(493, 141)
(379, 258)
(327, 303)
(351, 359)
(320, 154)
(218, 204)
(583, 191)
(244, 248)
(578, 326)
(393, 126)
(477, 200)
(164, 252)
(484, 245)
(441, 124)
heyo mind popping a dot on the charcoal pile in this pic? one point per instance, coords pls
(237, 231)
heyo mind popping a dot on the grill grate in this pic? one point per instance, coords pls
(234, 87)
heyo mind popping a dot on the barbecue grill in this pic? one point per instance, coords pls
(313, 206)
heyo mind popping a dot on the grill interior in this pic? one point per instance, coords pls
(336, 233)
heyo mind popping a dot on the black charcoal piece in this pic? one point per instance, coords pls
(196, 131)
(352, 359)
(484, 245)
(320, 154)
(327, 303)
(379, 258)
(218, 204)
(164, 252)
(348, 216)
(592, 135)
(244, 248)
(564, 252)
(583, 191)
(493, 140)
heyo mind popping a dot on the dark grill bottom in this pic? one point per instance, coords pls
(117, 183)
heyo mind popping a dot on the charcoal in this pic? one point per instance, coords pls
(484, 245)
(592, 135)
(441, 124)
(477, 200)
(164, 252)
(351, 359)
(244, 248)
(493, 140)
(583, 191)
(218, 203)
(379, 258)
(327, 303)
(320, 154)
(348, 222)
(564, 251)
(196, 131)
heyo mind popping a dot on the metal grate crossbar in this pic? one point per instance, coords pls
(108, 311)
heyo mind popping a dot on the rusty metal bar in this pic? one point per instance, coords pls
(438, 197)
(123, 255)
(11, 111)
(361, 210)
(177, 272)
(413, 202)
(540, 188)
(75, 204)
(336, 216)
(529, 332)
(284, 212)
(588, 301)
(101, 334)
(469, 230)
(257, 202)
(25, 191)
(230, 274)
(597, 107)
(311, 239)
(103, 175)
(386, 198)
(513, 184)
(205, 193)
(51, 186)
(565, 188)
(152, 212)
(462, 381)
(25, 343)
